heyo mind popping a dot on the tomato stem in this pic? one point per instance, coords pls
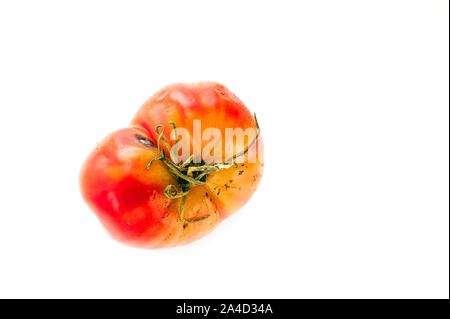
(195, 174)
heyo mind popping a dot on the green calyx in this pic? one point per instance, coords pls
(189, 173)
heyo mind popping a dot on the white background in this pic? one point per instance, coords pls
(352, 98)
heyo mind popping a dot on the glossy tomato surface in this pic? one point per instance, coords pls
(144, 198)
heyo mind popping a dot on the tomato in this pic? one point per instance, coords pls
(147, 194)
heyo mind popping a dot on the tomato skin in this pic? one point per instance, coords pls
(129, 199)
(212, 103)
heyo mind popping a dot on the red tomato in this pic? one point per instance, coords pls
(144, 197)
